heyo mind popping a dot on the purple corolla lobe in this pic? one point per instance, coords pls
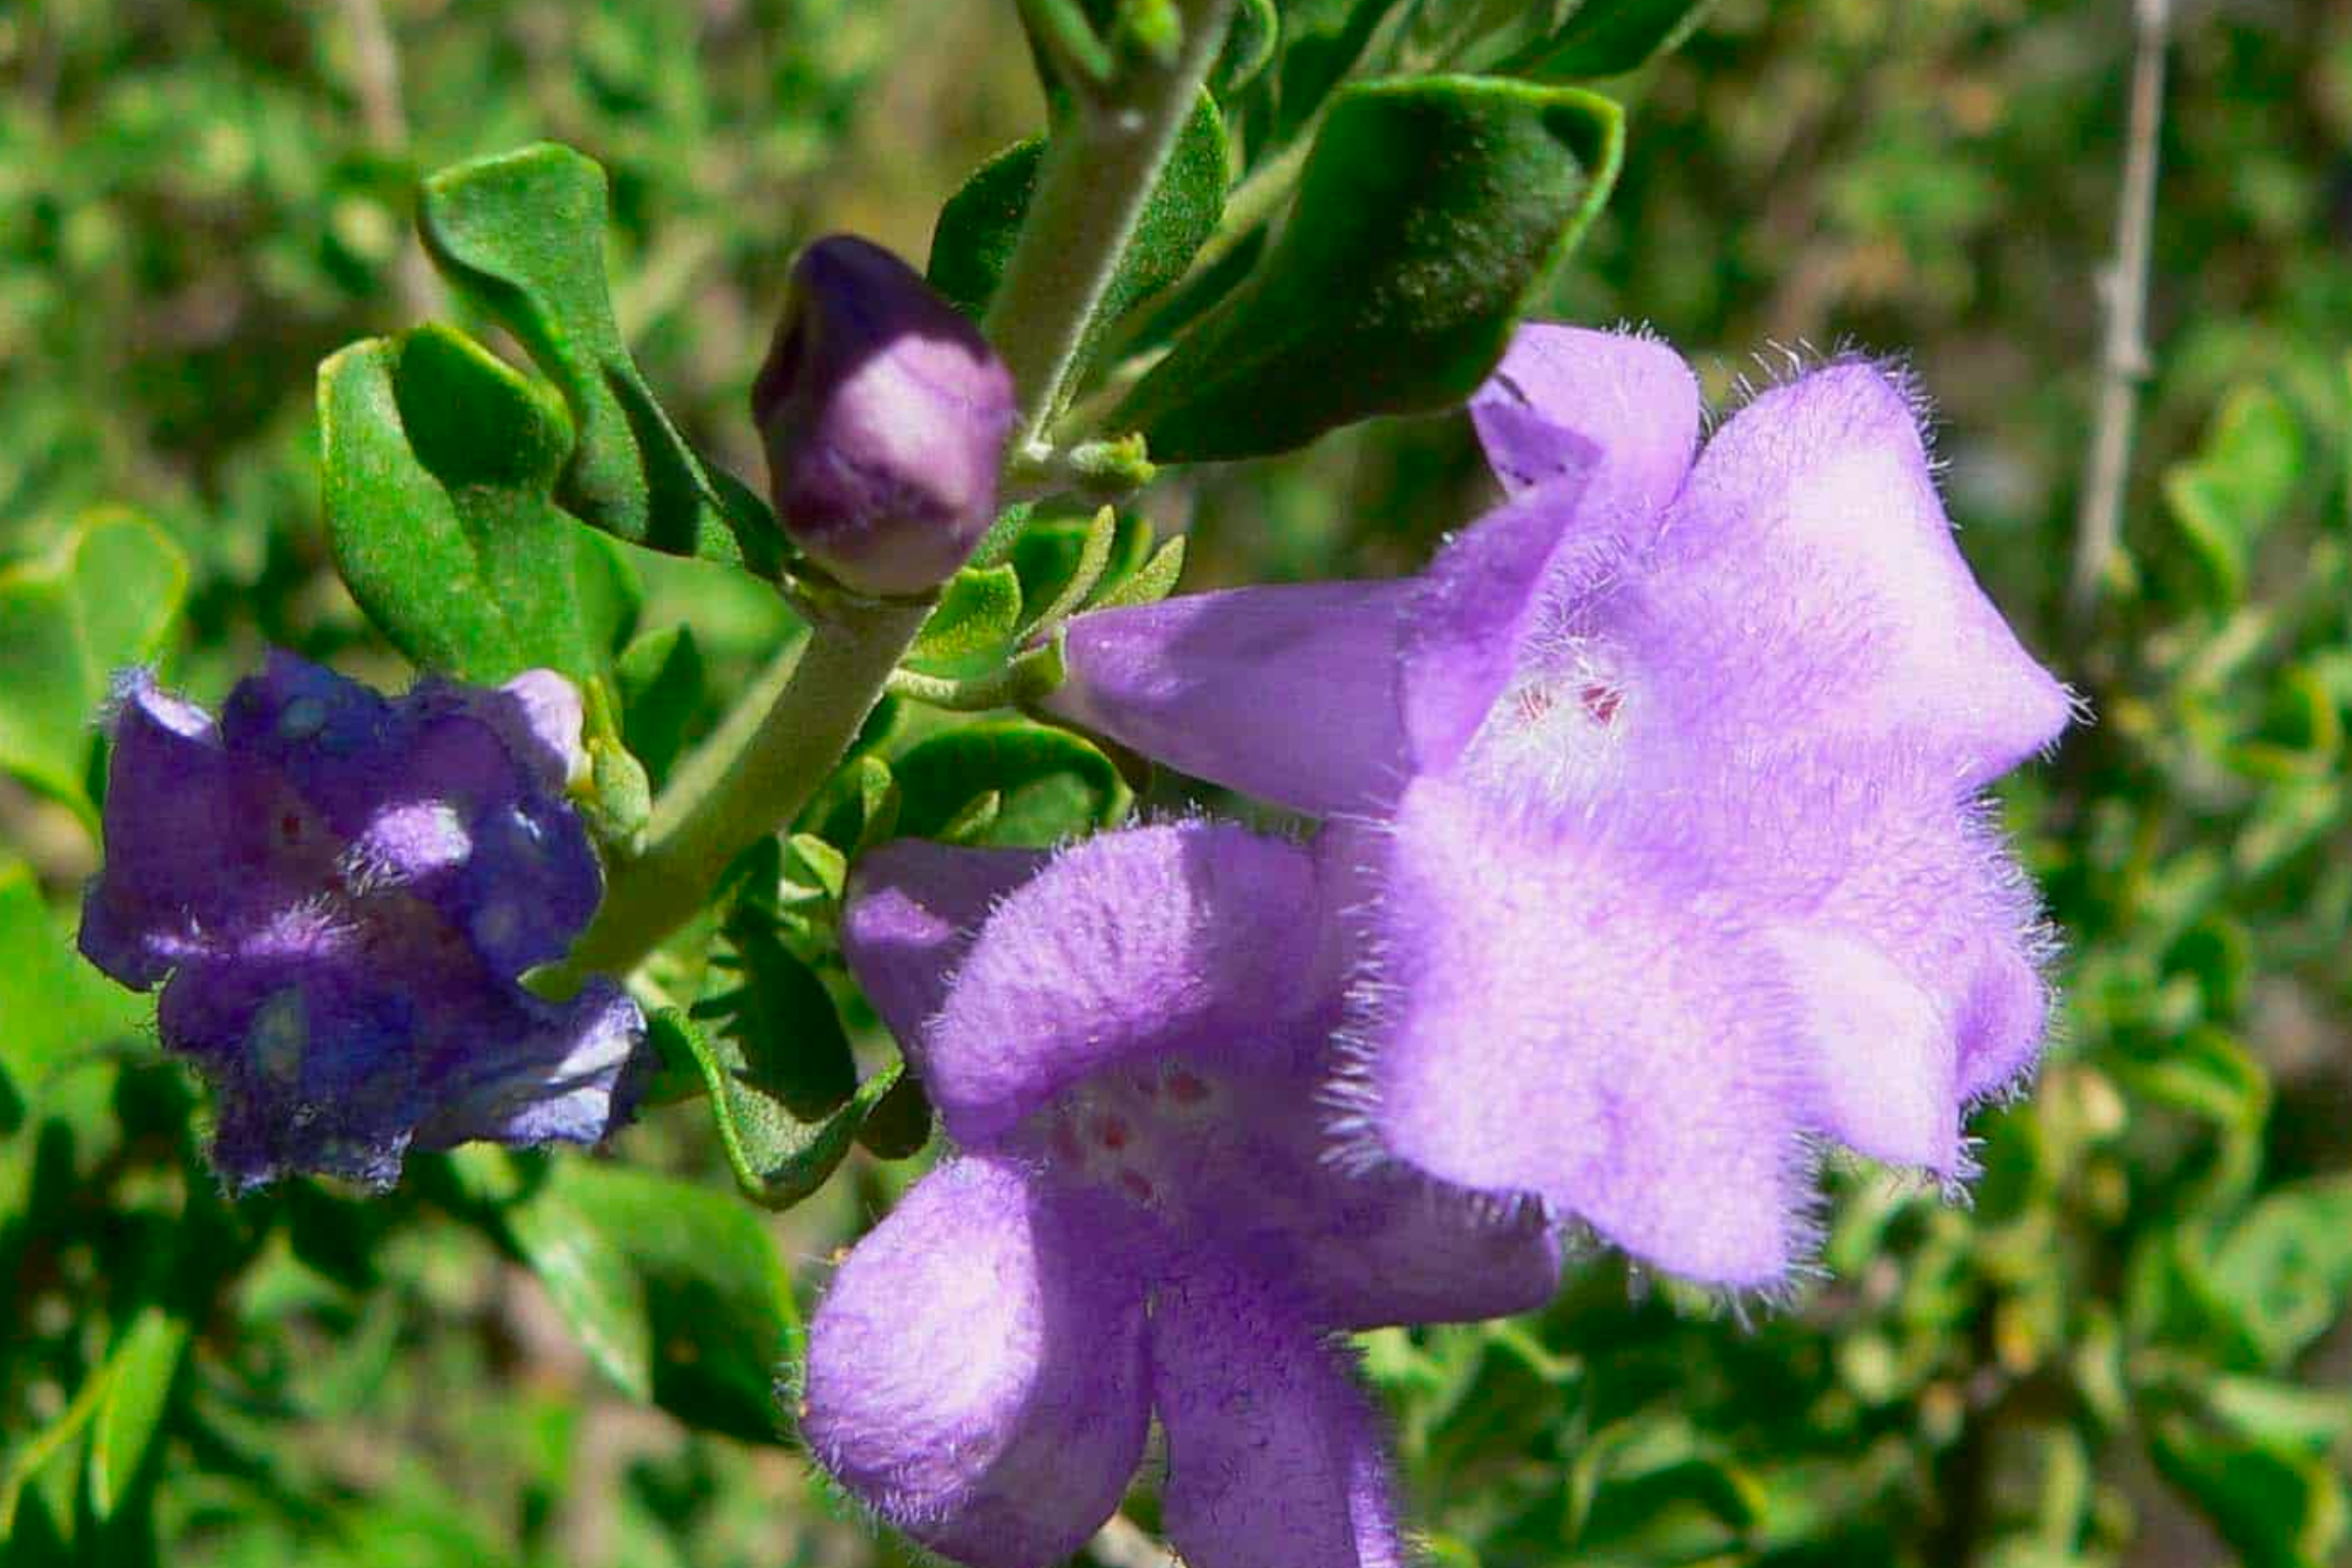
(338, 891)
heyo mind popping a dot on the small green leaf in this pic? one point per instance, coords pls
(139, 1380)
(900, 1123)
(973, 627)
(521, 236)
(1322, 41)
(1155, 580)
(2287, 1267)
(1070, 589)
(666, 697)
(1051, 785)
(980, 223)
(1429, 214)
(827, 869)
(439, 460)
(107, 597)
(2278, 1508)
(777, 1158)
(789, 1043)
(675, 1290)
(56, 1006)
(1248, 45)
(2226, 498)
(971, 823)
(1609, 38)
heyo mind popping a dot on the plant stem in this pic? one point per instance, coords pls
(1098, 171)
(782, 741)
(2123, 293)
(751, 777)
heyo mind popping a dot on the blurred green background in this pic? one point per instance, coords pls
(2131, 1349)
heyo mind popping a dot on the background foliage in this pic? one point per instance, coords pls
(2131, 1348)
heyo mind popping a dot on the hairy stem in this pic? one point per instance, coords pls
(2123, 293)
(1098, 171)
(751, 777)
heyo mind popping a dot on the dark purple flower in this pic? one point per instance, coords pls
(1142, 1220)
(885, 415)
(1662, 782)
(339, 890)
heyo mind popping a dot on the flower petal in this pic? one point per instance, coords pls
(1566, 398)
(1808, 580)
(1566, 1009)
(912, 909)
(1464, 631)
(977, 1371)
(1912, 941)
(1286, 693)
(559, 1079)
(1190, 936)
(1273, 1458)
(1394, 1247)
(172, 786)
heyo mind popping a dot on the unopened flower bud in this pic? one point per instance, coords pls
(885, 414)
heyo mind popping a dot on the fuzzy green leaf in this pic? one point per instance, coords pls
(675, 1290)
(1429, 214)
(1050, 784)
(1609, 38)
(521, 236)
(439, 464)
(108, 596)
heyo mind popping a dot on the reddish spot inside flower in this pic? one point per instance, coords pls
(1186, 1088)
(1111, 1132)
(1137, 1185)
(289, 827)
(1532, 702)
(1601, 702)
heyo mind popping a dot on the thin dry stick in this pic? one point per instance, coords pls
(2123, 295)
(376, 65)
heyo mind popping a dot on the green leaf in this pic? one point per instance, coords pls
(900, 1123)
(666, 697)
(56, 1006)
(2226, 497)
(1080, 553)
(787, 1044)
(1429, 214)
(1322, 41)
(980, 223)
(972, 628)
(1051, 785)
(2285, 1269)
(108, 596)
(105, 1433)
(2279, 1509)
(139, 1381)
(439, 460)
(1153, 582)
(675, 1290)
(1248, 45)
(1609, 38)
(521, 236)
(776, 1157)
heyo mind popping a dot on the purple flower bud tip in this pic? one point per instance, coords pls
(885, 415)
(341, 891)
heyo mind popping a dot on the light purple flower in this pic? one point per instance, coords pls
(338, 891)
(1661, 782)
(885, 414)
(1141, 1220)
